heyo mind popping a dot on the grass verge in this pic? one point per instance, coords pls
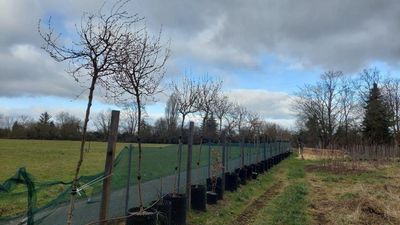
(234, 203)
(289, 207)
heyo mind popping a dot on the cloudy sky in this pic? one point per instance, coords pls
(263, 50)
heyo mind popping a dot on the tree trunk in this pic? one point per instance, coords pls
(82, 148)
(140, 154)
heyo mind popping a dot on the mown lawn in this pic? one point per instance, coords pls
(50, 160)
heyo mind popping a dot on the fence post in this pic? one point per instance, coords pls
(242, 152)
(265, 148)
(179, 163)
(223, 160)
(189, 165)
(129, 178)
(112, 141)
(209, 159)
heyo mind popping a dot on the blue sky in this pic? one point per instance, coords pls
(262, 50)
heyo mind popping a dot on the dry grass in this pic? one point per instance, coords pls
(369, 194)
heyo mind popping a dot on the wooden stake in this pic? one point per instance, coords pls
(189, 165)
(112, 141)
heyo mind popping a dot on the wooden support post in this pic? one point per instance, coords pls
(128, 182)
(189, 165)
(179, 163)
(242, 153)
(112, 141)
(209, 159)
(223, 137)
(265, 148)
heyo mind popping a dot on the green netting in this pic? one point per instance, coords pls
(158, 178)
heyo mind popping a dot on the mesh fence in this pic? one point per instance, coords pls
(159, 177)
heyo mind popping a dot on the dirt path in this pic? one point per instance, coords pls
(248, 216)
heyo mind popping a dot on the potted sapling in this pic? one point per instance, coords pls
(138, 72)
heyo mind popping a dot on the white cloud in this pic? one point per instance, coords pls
(272, 106)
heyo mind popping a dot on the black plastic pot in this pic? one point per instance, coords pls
(260, 168)
(198, 197)
(243, 176)
(265, 165)
(178, 208)
(163, 208)
(249, 171)
(231, 181)
(227, 181)
(218, 188)
(254, 175)
(149, 217)
(211, 198)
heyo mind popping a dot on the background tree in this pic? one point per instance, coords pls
(376, 121)
(102, 122)
(321, 104)
(209, 89)
(221, 107)
(171, 116)
(69, 127)
(187, 97)
(45, 127)
(391, 95)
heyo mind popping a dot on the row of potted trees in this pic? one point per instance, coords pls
(171, 209)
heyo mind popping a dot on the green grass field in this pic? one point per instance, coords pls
(56, 160)
(52, 160)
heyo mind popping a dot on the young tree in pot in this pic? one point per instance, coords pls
(214, 181)
(186, 96)
(91, 55)
(140, 69)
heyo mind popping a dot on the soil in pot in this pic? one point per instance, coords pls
(198, 197)
(211, 198)
(178, 208)
(148, 217)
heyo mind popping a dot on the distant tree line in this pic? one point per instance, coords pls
(345, 110)
(201, 99)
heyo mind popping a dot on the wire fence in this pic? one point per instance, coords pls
(159, 178)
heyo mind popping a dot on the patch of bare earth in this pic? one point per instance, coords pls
(248, 216)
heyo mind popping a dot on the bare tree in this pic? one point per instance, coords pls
(140, 69)
(241, 117)
(91, 55)
(366, 80)
(171, 113)
(221, 107)
(102, 122)
(320, 103)
(208, 91)
(232, 119)
(391, 93)
(130, 118)
(187, 97)
(347, 104)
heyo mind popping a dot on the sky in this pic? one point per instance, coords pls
(263, 50)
